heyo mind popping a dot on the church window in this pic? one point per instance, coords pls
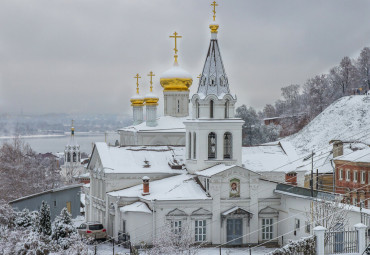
(227, 145)
(211, 109)
(212, 145)
(79, 157)
(178, 105)
(227, 109)
(197, 108)
(68, 157)
(189, 146)
(200, 230)
(176, 226)
(267, 230)
(74, 157)
(195, 146)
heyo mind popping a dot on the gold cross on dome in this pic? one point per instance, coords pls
(151, 74)
(214, 4)
(137, 77)
(175, 36)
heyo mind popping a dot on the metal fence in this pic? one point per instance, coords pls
(345, 241)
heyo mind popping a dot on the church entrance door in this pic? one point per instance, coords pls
(234, 231)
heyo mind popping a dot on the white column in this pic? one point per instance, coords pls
(319, 232)
(137, 114)
(361, 228)
(151, 115)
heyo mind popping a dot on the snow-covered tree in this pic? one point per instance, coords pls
(363, 67)
(44, 221)
(169, 242)
(63, 226)
(23, 168)
(333, 215)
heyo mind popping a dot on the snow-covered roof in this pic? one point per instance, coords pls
(131, 159)
(357, 156)
(176, 72)
(348, 118)
(164, 124)
(179, 187)
(214, 170)
(279, 157)
(322, 159)
(136, 207)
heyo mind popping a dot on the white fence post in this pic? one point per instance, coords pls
(319, 232)
(361, 235)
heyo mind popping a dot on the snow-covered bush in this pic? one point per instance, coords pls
(44, 222)
(30, 233)
(304, 246)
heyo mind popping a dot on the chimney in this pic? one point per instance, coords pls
(146, 180)
(291, 178)
(337, 148)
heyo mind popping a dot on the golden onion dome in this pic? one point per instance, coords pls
(151, 99)
(176, 79)
(137, 100)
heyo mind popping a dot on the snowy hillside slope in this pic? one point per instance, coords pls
(347, 119)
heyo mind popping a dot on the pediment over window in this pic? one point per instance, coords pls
(177, 212)
(236, 212)
(268, 211)
(201, 212)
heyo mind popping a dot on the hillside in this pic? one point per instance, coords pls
(346, 119)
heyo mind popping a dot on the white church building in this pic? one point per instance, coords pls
(191, 170)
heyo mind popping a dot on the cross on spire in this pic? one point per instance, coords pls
(175, 36)
(214, 4)
(151, 74)
(72, 128)
(137, 77)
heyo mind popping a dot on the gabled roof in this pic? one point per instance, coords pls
(136, 207)
(276, 156)
(362, 156)
(213, 79)
(132, 159)
(179, 187)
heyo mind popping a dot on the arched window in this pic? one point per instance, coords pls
(79, 157)
(211, 109)
(195, 146)
(189, 146)
(74, 157)
(68, 157)
(212, 145)
(227, 109)
(228, 141)
(197, 109)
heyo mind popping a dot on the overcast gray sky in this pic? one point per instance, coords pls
(80, 56)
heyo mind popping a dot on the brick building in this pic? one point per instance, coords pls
(353, 173)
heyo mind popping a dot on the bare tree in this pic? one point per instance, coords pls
(363, 67)
(333, 215)
(26, 170)
(179, 242)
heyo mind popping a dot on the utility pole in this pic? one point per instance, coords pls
(312, 174)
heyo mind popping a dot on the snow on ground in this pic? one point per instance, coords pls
(348, 118)
(107, 249)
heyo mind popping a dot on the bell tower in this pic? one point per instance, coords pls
(213, 135)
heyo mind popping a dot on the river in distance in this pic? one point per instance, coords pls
(56, 143)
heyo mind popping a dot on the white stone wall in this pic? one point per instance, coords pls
(176, 103)
(201, 129)
(151, 138)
